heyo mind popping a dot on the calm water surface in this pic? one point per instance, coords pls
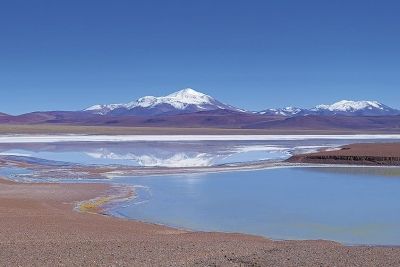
(291, 203)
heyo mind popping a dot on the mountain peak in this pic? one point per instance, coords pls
(183, 101)
(190, 96)
(342, 107)
(287, 111)
(187, 93)
(349, 105)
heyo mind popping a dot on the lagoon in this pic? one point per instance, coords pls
(351, 205)
(287, 203)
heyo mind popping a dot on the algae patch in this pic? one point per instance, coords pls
(94, 205)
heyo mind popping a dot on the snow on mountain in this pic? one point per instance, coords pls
(287, 111)
(189, 101)
(346, 105)
(344, 108)
(183, 101)
(104, 109)
(360, 108)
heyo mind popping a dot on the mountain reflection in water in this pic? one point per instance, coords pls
(168, 154)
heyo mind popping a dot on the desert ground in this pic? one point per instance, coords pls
(39, 227)
(122, 130)
(386, 154)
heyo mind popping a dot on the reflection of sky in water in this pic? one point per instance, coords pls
(291, 203)
(355, 207)
(168, 154)
(254, 156)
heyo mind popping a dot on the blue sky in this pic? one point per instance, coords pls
(67, 55)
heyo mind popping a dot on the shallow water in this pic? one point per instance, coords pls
(290, 203)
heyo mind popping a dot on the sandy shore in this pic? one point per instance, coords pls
(379, 154)
(38, 227)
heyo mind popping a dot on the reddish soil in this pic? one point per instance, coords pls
(387, 154)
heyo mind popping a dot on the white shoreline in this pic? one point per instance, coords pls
(5, 139)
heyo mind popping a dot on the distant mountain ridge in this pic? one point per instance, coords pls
(344, 108)
(183, 101)
(188, 108)
(287, 111)
(190, 101)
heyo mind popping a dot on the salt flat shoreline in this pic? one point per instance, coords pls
(61, 171)
(46, 169)
(110, 172)
(40, 138)
(40, 227)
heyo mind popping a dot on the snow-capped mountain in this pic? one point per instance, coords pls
(344, 108)
(355, 108)
(183, 101)
(287, 111)
(191, 101)
(191, 109)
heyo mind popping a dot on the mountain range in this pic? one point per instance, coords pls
(191, 101)
(344, 108)
(190, 108)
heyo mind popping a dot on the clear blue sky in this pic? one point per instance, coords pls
(67, 55)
